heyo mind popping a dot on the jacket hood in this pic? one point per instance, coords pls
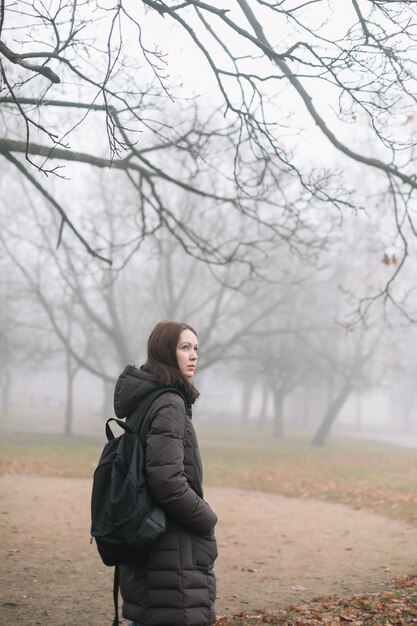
(132, 386)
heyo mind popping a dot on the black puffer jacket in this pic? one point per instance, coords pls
(174, 584)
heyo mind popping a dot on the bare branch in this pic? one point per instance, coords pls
(18, 59)
(56, 206)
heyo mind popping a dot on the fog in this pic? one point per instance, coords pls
(283, 348)
(216, 197)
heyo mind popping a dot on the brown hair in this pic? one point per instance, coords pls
(162, 357)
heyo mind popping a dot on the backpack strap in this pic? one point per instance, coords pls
(121, 423)
(116, 581)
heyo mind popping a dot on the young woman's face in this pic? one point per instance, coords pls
(187, 353)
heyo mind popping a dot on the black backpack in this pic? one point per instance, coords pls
(124, 518)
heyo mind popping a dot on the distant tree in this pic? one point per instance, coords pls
(101, 319)
(349, 367)
(274, 353)
(345, 353)
(398, 376)
(11, 338)
(26, 342)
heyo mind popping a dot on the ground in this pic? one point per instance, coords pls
(273, 551)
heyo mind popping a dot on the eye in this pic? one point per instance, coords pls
(187, 346)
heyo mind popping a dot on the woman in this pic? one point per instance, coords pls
(175, 583)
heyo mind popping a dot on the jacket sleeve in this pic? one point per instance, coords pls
(167, 482)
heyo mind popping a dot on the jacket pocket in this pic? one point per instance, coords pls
(204, 549)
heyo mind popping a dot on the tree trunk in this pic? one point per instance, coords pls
(108, 410)
(69, 405)
(358, 419)
(264, 406)
(332, 412)
(306, 406)
(247, 393)
(278, 430)
(5, 393)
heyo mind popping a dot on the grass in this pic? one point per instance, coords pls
(361, 474)
(48, 455)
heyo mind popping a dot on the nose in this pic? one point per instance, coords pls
(193, 355)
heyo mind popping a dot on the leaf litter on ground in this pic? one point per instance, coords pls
(395, 606)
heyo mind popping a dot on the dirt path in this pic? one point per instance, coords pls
(273, 551)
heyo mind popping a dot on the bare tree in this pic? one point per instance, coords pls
(100, 319)
(26, 342)
(368, 62)
(81, 72)
(274, 353)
